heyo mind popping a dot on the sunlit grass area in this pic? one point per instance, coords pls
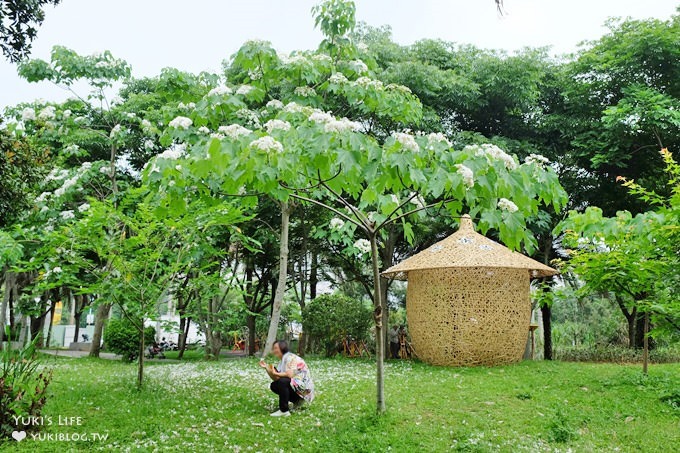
(225, 405)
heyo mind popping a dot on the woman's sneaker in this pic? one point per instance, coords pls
(280, 414)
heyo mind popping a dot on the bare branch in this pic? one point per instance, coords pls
(339, 213)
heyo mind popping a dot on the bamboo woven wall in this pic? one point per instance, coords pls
(469, 316)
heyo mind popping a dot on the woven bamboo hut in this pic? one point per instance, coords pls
(468, 299)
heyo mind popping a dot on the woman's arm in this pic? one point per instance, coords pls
(289, 374)
(272, 373)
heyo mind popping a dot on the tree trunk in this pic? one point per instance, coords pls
(630, 319)
(378, 319)
(23, 325)
(140, 359)
(100, 317)
(281, 283)
(250, 323)
(215, 345)
(546, 313)
(9, 285)
(181, 337)
(313, 276)
(12, 301)
(387, 261)
(645, 352)
(38, 322)
(631, 327)
(49, 326)
(79, 305)
(640, 330)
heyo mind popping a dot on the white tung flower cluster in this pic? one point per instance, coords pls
(536, 159)
(275, 104)
(244, 90)
(305, 91)
(367, 82)
(319, 116)
(396, 87)
(417, 200)
(293, 59)
(338, 78)
(293, 107)
(276, 124)
(322, 57)
(493, 152)
(117, 129)
(363, 245)
(331, 124)
(267, 144)
(48, 113)
(176, 152)
(337, 223)
(189, 106)
(249, 116)
(66, 186)
(220, 91)
(28, 114)
(254, 75)
(467, 174)
(342, 125)
(506, 205)
(436, 138)
(66, 215)
(181, 122)
(234, 131)
(407, 141)
(358, 66)
(71, 149)
(56, 174)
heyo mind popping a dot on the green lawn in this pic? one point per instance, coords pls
(224, 406)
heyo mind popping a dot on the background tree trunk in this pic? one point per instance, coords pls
(100, 318)
(7, 295)
(645, 352)
(378, 318)
(281, 283)
(181, 338)
(640, 330)
(250, 323)
(140, 359)
(546, 313)
(76, 317)
(387, 262)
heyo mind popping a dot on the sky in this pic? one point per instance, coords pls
(197, 35)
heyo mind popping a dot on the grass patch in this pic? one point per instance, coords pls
(224, 406)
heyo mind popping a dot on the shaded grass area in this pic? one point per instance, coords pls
(224, 406)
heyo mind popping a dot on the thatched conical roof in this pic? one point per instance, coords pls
(464, 249)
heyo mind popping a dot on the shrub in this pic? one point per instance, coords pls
(23, 387)
(617, 354)
(122, 337)
(328, 319)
